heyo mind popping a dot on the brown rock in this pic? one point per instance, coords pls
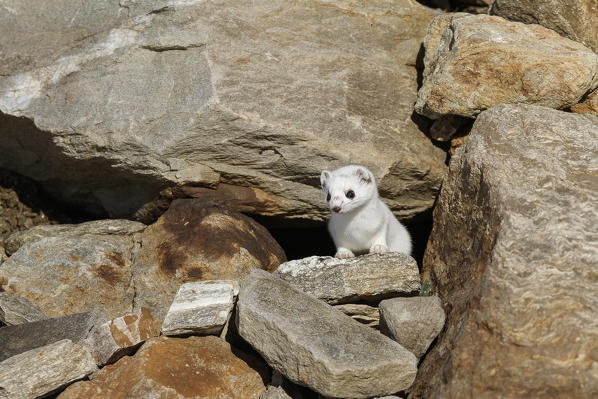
(194, 367)
(589, 106)
(198, 240)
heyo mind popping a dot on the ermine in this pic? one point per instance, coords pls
(360, 221)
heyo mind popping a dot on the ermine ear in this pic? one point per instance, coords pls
(324, 178)
(363, 175)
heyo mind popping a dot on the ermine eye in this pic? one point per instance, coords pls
(350, 194)
(328, 197)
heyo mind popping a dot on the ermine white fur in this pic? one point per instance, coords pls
(360, 222)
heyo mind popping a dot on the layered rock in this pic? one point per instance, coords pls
(518, 273)
(575, 19)
(473, 62)
(314, 345)
(18, 310)
(194, 367)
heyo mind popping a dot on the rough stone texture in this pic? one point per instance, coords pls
(412, 322)
(260, 94)
(366, 277)
(589, 106)
(364, 314)
(315, 345)
(513, 255)
(23, 337)
(172, 368)
(15, 310)
(575, 19)
(473, 62)
(40, 371)
(96, 227)
(200, 308)
(198, 240)
(118, 337)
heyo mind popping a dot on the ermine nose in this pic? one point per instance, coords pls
(336, 209)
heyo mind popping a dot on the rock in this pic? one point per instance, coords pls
(257, 95)
(314, 345)
(412, 322)
(18, 310)
(575, 19)
(275, 392)
(41, 371)
(24, 337)
(97, 227)
(447, 126)
(198, 240)
(200, 308)
(364, 314)
(473, 62)
(367, 277)
(118, 337)
(194, 367)
(513, 256)
(589, 106)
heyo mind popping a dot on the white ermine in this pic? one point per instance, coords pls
(360, 222)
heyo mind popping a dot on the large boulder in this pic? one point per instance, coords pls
(513, 256)
(137, 96)
(474, 62)
(575, 19)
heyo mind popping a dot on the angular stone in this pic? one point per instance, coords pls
(193, 368)
(364, 314)
(41, 371)
(589, 106)
(18, 310)
(200, 308)
(198, 240)
(575, 19)
(24, 337)
(412, 322)
(513, 256)
(314, 345)
(97, 102)
(367, 277)
(474, 62)
(118, 337)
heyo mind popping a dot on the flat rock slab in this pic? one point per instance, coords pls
(201, 307)
(367, 277)
(513, 255)
(317, 346)
(474, 62)
(365, 314)
(41, 371)
(15, 310)
(24, 337)
(412, 322)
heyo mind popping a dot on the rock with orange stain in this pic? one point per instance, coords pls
(118, 337)
(173, 368)
(589, 106)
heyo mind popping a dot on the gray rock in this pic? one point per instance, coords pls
(367, 277)
(275, 392)
(24, 337)
(362, 313)
(314, 345)
(107, 104)
(201, 307)
(42, 371)
(474, 62)
(575, 19)
(412, 322)
(15, 309)
(513, 256)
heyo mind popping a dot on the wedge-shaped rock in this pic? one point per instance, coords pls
(367, 277)
(24, 337)
(364, 314)
(15, 309)
(315, 345)
(38, 372)
(201, 307)
(118, 337)
(513, 254)
(412, 322)
(474, 62)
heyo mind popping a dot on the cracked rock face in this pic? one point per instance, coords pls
(137, 96)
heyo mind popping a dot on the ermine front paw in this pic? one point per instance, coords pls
(378, 249)
(344, 253)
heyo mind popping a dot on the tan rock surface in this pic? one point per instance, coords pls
(589, 106)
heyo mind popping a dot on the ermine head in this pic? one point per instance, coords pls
(348, 188)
